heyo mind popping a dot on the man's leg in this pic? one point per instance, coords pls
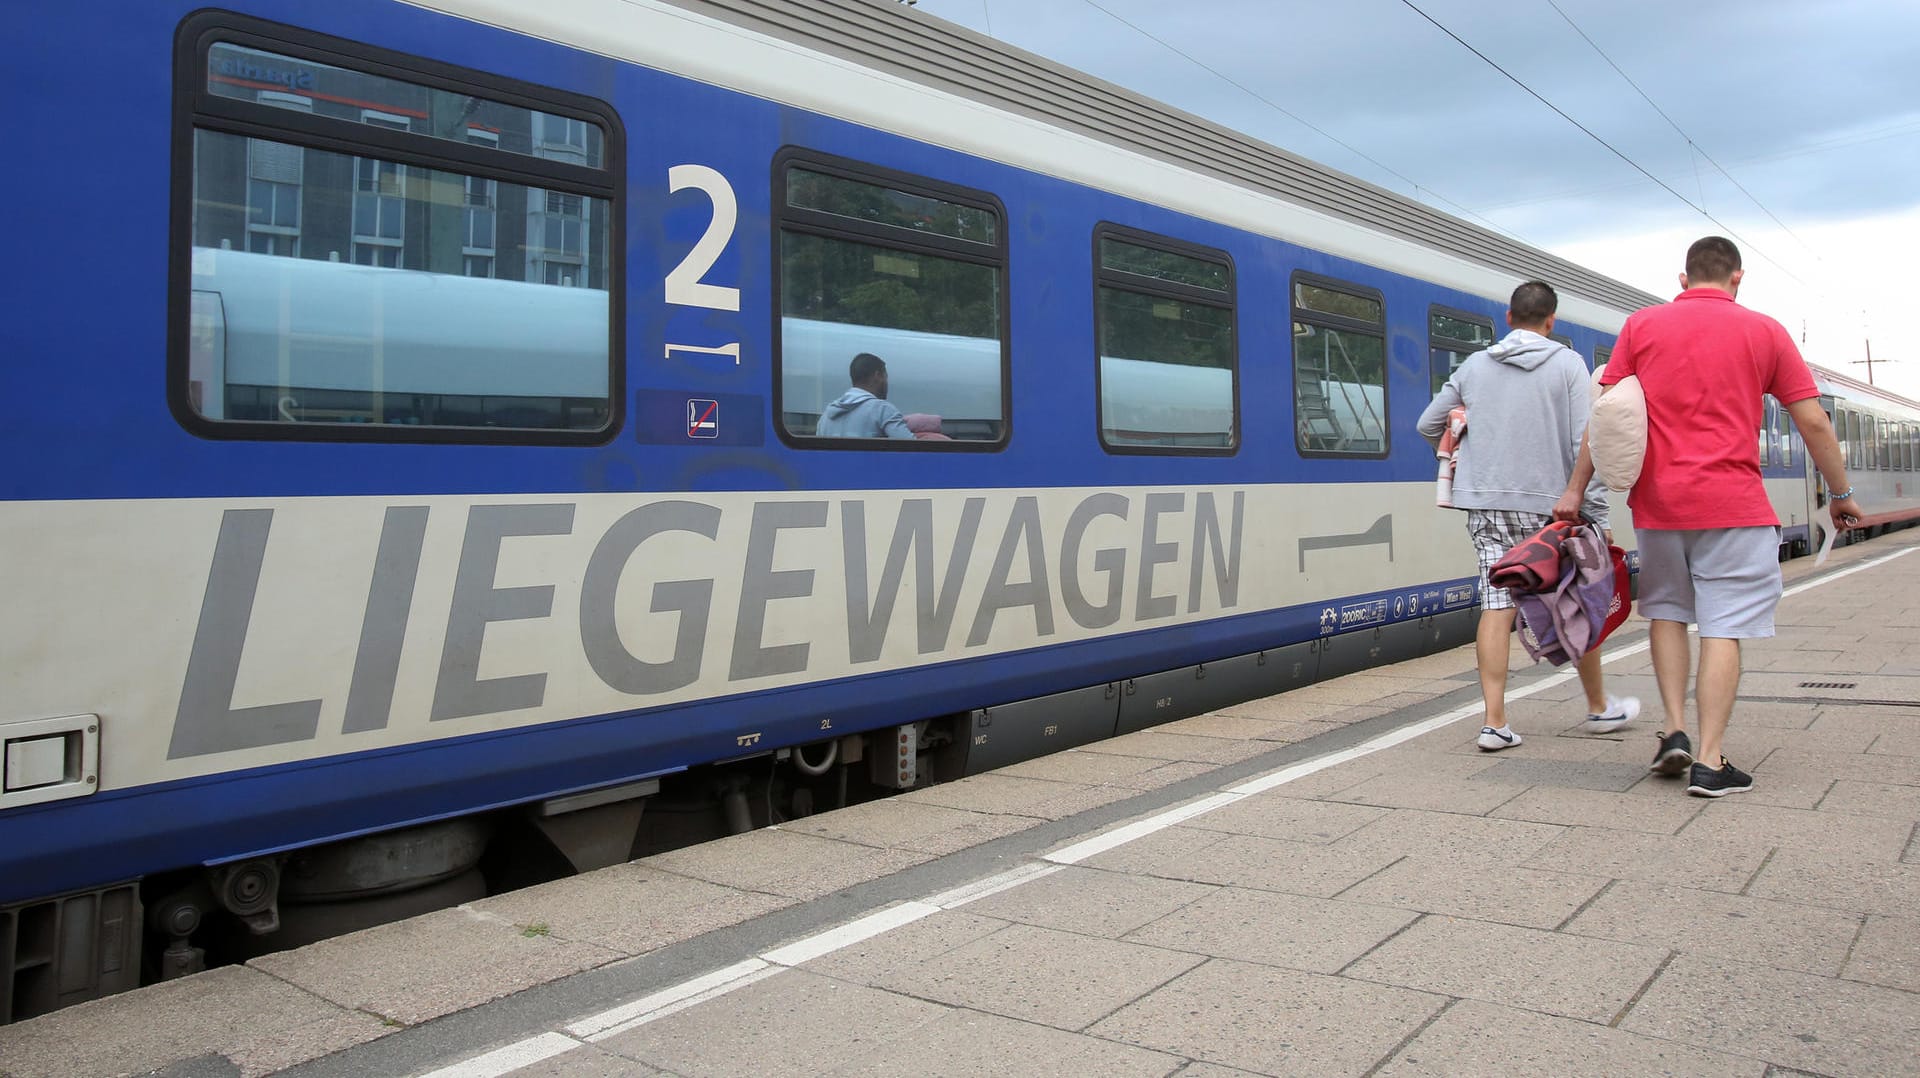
(1492, 647)
(1714, 693)
(1671, 660)
(1593, 681)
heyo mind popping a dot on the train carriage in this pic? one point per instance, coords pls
(417, 482)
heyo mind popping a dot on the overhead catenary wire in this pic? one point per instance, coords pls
(1610, 147)
(1296, 118)
(1691, 144)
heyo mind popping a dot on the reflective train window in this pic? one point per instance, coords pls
(385, 248)
(1601, 357)
(1783, 434)
(1452, 336)
(1168, 360)
(1339, 368)
(892, 308)
(1769, 410)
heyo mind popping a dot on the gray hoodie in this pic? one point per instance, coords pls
(1527, 401)
(859, 414)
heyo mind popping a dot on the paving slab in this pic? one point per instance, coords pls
(1104, 769)
(1249, 861)
(903, 950)
(1443, 835)
(1600, 808)
(967, 1044)
(1796, 829)
(1042, 975)
(1316, 935)
(1293, 819)
(1887, 953)
(1485, 1040)
(191, 1018)
(1840, 880)
(784, 862)
(1513, 967)
(1161, 745)
(1091, 901)
(1819, 1024)
(419, 969)
(1439, 793)
(630, 909)
(1504, 894)
(1688, 920)
(1269, 1021)
(1872, 799)
(911, 825)
(1238, 727)
(792, 1025)
(1039, 798)
(1707, 863)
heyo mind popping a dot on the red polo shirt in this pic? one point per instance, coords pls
(1705, 362)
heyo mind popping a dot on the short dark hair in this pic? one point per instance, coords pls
(864, 367)
(1533, 303)
(1712, 260)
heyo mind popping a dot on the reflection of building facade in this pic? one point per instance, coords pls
(270, 197)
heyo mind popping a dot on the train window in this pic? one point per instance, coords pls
(1766, 431)
(1339, 368)
(1452, 336)
(1848, 427)
(1561, 338)
(1783, 435)
(1168, 361)
(1601, 357)
(386, 248)
(893, 287)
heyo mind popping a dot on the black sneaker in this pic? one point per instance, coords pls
(1729, 779)
(1673, 755)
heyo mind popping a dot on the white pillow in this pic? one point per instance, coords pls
(1617, 431)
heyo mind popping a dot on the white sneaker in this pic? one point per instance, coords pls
(1492, 740)
(1620, 711)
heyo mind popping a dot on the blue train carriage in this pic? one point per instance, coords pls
(1879, 435)
(428, 496)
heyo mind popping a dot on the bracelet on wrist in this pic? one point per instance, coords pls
(1844, 495)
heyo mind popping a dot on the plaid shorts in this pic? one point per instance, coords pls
(1496, 531)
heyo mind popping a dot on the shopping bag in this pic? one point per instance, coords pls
(1622, 604)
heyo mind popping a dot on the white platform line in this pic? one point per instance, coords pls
(873, 924)
(1120, 836)
(1848, 571)
(509, 1059)
(594, 1026)
(992, 885)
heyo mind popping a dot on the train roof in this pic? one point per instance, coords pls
(1833, 383)
(909, 44)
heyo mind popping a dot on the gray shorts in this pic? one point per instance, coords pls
(1494, 532)
(1726, 580)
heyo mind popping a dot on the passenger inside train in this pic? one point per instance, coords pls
(862, 411)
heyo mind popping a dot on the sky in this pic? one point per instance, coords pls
(1791, 127)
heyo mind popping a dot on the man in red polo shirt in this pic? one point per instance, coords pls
(1709, 539)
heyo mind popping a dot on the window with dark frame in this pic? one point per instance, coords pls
(1452, 336)
(903, 268)
(1339, 368)
(357, 292)
(1168, 359)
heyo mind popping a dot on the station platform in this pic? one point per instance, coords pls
(1330, 882)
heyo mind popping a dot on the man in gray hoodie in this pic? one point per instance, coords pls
(1527, 402)
(863, 411)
